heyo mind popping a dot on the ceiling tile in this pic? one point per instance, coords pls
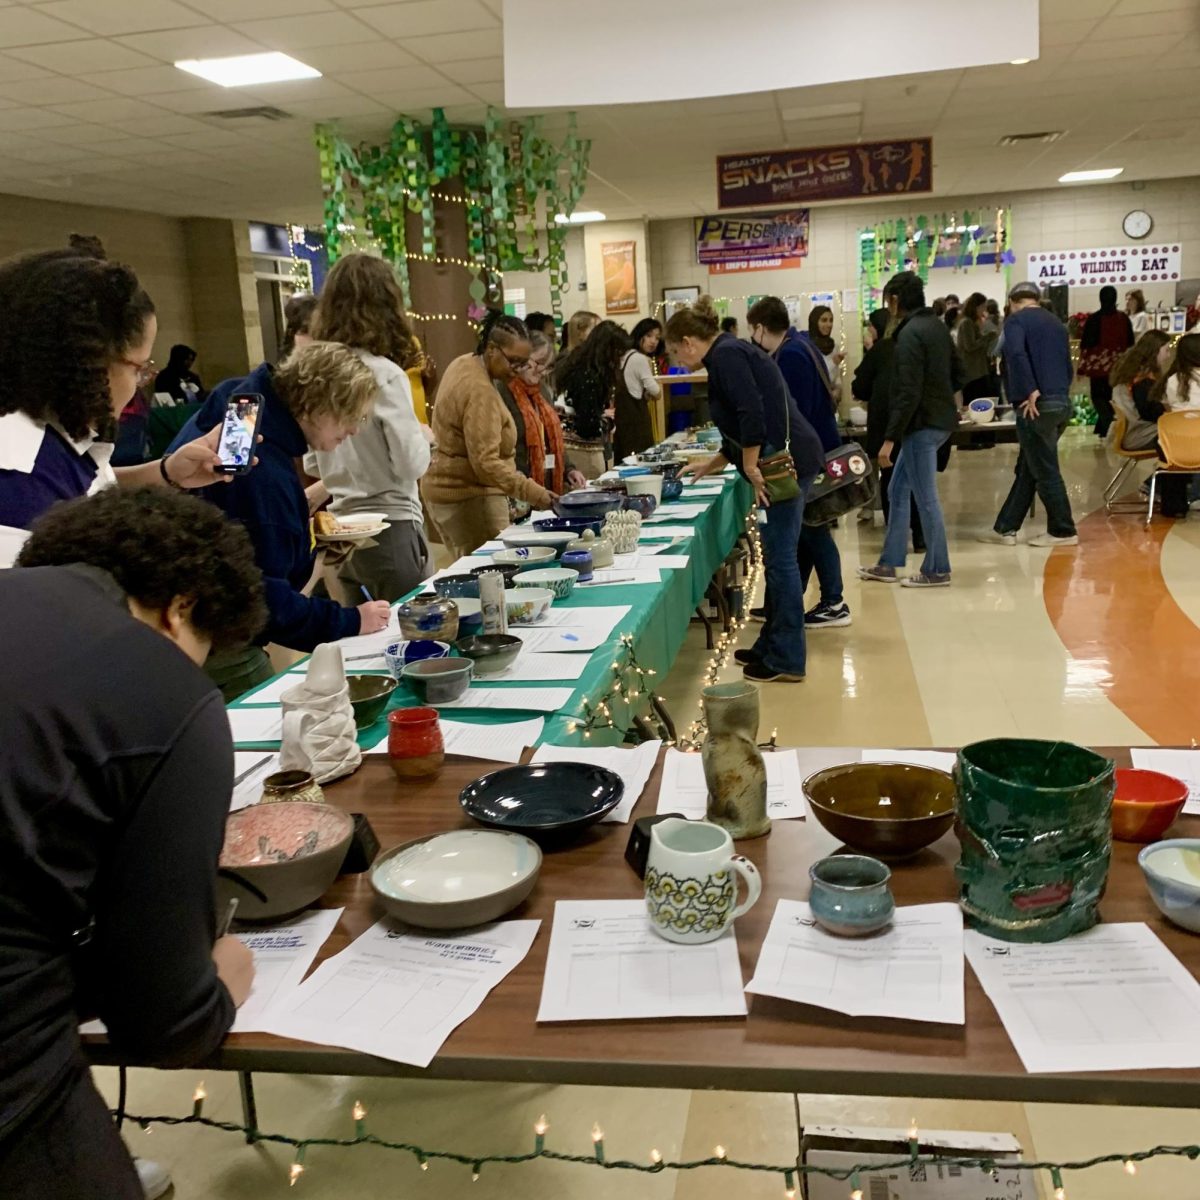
(74, 58)
(108, 17)
(118, 108)
(394, 79)
(333, 108)
(404, 99)
(201, 100)
(476, 70)
(52, 89)
(250, 10)
(27, 27)
(163, 123)
(19, 119)
(454, 47)
(358, 56)
(1064, 33)
(145, 81)
(418, 18)
(300, 32)
(210, 139)
(201, 41)
(285, 93)
(489, 93)
(13, 69)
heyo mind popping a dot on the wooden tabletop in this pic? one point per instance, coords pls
(780, 1047)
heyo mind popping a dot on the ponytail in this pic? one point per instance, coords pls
(698, 320)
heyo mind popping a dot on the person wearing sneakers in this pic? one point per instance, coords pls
(926, 377)
(1038, 372)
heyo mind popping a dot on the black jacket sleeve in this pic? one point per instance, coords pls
(1090, 337)
(908, 382)
(1148, 410)
(864, 377)
(739, 385)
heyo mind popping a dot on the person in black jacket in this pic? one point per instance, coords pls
(758, 417)
(923, 411)
(116, 768)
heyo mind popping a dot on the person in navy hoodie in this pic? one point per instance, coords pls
(315, 399)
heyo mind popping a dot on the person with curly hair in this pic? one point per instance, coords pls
(116, 769)
(378, 471)
(315, 399)
(589, 380)
(80, 333)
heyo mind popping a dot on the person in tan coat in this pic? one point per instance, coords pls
(474, 470)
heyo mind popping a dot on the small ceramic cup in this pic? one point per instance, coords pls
(691, 881)
(850, 895)
(291, 785)
(415, 746)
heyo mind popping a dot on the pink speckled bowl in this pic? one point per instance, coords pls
(289, 851)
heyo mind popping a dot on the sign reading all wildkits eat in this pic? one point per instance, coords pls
(825, 173)
(1109, 264)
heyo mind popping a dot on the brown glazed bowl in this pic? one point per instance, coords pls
(886, 810)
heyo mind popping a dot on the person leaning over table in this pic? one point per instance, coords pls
(317, 397)
(79, 331)
(116, 767)
(474, 472)
(757, 416)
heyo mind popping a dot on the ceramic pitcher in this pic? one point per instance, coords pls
(691, 881)
(733, 764)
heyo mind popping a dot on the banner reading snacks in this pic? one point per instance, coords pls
(752, 241)
(825, 173)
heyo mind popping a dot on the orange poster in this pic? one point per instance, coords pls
(620, 277)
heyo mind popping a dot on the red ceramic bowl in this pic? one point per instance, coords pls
(1146, 804)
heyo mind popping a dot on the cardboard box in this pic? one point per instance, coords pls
(843, 1146)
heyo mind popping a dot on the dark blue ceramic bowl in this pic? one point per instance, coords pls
(575, 525)
(643, 504)
(672, 489)
(587, 502)
(545, 800)
(457, 585)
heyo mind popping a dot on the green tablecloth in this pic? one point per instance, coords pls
(658, 622)
(163, 425)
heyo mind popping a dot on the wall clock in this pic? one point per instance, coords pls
(1137, 224)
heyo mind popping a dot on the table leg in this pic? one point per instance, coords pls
(249, 1108)
(708, 635)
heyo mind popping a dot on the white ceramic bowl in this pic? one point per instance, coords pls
(530, 555)
(858, 415)
(527, 605)
(367, 520)
(516, 539)
(560, 580)
(645, 485)
(1172, 872)
(982, 411)
(456, 880)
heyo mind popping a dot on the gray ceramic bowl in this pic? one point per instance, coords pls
(439, 680)
(490, 652)
(369, 697)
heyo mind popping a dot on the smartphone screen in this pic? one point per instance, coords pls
(236, 450)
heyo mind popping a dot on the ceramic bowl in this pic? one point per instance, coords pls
(886, 810)
(645, 485)
(470, 615)
(543, 800)
(560, 580)
(587, 502)
(369, 695)
(632, 472)
(428, 616)
(982, 411)
(849, 894)
(1172, 871)
(537, 539)
(1146, 804)
(490, 652)
(507, 569)
(575, 525)
(672, 489)
(525, 556)
(458, 879)
(290, 851)
(579, 561)
(439, 680)
(527, 605)
(643, 504)
(399, 654)
(457, 585)
(709, 437)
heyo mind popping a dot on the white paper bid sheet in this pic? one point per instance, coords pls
(1111, 999)
(250, 768)
(651, 532)
(534, 699)
(282, 956)
(1184, 765)
(633, 766)
(400, 994)
(684, 790)
(606, 963)
(251, 726)
(914, 969)
(939, 760)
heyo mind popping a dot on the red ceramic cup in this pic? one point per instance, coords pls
(1145, 804)
(415, 746)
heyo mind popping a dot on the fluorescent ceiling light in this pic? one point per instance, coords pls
(242, 69)
(581, 217)
(1084, 176)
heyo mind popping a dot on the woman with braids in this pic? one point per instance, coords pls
(474, 471)
(589, 381)
(116, 768)
(79, 333)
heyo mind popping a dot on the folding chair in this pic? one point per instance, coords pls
(1179, 437)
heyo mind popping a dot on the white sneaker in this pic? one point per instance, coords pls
(156, 1179)
(992, 538)
(1048, 539)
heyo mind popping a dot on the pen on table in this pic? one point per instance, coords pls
(227, 920)
(362, 587)
(617, 579)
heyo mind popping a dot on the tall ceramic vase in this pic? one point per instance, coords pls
(733, 763)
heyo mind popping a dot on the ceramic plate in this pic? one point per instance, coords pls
(549, 798)
(357, 534)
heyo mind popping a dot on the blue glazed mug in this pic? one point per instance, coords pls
(850, 896)
(579, 561)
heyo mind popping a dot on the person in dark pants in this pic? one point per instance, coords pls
(116, 768)
(1038, 372)
(1107, 334)
(757, 417)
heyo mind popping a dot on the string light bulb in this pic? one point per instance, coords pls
(1056, 1181)
(198, 1098)
(856, 1192)
(655, 1157)
(540, 1128)
(1130, 1167)
(297, 1167)
(359, 1113)
(476, 1171)
(598, 1142)
(719, 1152)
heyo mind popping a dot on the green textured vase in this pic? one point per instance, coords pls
(1034, 823)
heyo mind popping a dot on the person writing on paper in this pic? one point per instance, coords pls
(378, 469)
(79, 331)
(474, 471)
(758, 418)
(116, 768)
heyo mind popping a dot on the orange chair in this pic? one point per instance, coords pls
(1131, 457)
(1179, 437)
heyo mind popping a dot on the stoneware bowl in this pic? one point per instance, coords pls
(543, 800)
(527, 605)
(290, 852)
(458, 879)
(507, 569)
(525, 556)
(645, 485)
(399, 654)
(470, 615)
(1146, 804)
(982, 411)
(1172, 871)
(439, 680)
(850, 896)
(560, 580)
(490, 652)
(587, 502)
(672, 489)
(579, 561)
(886, 810)
(537, 539)
(457, 585)
(644, 504)
(369, 695)
(428, 616)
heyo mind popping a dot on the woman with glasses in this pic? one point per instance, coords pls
(87, 330)
(474, 470)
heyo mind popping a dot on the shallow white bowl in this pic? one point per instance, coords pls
(366, 519)
(529, 555)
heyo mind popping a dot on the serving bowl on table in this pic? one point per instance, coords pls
(455, 586)
(885, 810)
(1172, 871)
(399, 654)
(439, 680)
(286, 854)
(672, 489)
(982, 411)
(470, 615)
(527, 605)
(369, 695)
(645, 485)
(458, 879)
(537, 539)
(640, 503)
(587, 502)
(560, 580)
(490, 652)
(1146, 804)
(543, 799)
(576, 525)
(526, 556)
(507, 569)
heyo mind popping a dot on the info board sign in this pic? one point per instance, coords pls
(1159, 263)
(763, 241)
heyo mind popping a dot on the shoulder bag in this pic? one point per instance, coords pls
(779, 470)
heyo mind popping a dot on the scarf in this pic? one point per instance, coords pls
(541, 428)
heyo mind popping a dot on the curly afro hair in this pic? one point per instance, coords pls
(66, 314)
(159, 544)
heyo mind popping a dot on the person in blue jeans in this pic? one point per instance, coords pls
(922, 413)
(1037, 376)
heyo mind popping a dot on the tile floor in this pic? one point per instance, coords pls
(1092, 644)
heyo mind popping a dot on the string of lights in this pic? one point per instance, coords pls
(628, 685)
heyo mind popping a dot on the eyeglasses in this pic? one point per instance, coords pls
(145, 371)
(515, 363)
(534, 366)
